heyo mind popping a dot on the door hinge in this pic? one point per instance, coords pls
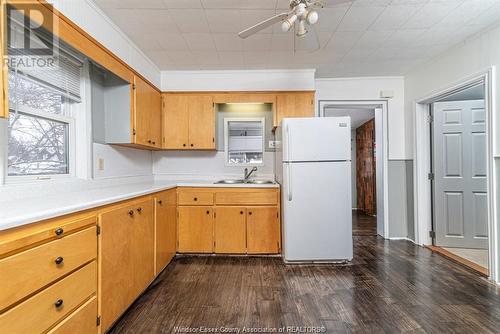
(430, 118)
(213, 139)
(432, 234)
(98, 320)
(133, 86)
(98, 230)
(133, 132)
(430, 176)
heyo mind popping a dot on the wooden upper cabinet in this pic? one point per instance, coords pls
(146, 114)
(188, 122)
(293, 104)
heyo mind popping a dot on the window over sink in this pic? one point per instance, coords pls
(244, 141)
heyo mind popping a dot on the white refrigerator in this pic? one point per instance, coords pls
(313, 166)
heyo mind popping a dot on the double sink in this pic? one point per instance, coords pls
(242, 181)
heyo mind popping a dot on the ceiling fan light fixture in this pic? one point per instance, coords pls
(312, 17)
(288, 23)
(301, 29)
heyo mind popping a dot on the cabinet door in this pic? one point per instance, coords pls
(175, 122)
(166, 228)
(143, 246)
(299, 104)
(116, 264)
(195, 226)
(142, 112)
(155, 119)
(230, 230)
(201, 122)
(263, 230)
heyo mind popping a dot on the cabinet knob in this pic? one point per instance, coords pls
(58, 303)
(241, 212)
(139, 210)
(59, 231)
(131, 213)
(149, 141)
(208, 212)
(59, 260)
(160, 202)
(250, 213)
(192, 145)
(195, 199)
(184, 145)
(154, 143)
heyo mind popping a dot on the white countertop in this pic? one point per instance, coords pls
(22, 211)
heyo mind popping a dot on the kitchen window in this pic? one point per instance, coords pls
(244, 141)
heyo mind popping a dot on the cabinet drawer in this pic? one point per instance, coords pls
(39, 313)
(193, 197)
(82, 321)
(247, 198)
(34, 268)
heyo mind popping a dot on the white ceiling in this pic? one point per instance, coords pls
(358, 38)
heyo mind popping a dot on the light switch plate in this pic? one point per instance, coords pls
(100, 164)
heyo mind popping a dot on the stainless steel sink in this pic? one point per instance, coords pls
(260, 182)
(241, 181)
(230, 181)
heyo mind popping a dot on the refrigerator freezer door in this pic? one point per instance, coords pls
(317, 218)
(316, 139)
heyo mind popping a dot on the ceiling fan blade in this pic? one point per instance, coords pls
(308, 42)
(263, 25)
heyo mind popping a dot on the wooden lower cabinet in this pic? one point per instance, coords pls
(165, 228)
(195, 229)
(82, 321)
(126, 257)
(263, 230)
(230, 230)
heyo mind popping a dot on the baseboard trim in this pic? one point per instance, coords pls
(402, 238)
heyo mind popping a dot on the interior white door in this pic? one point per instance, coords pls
(460, 188)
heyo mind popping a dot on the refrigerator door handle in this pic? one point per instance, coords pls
(290, 195)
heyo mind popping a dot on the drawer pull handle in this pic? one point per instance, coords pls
(131, 213)
(59, 303)
(59, 231)
(139, 210)
(195, 199)
(59, 260)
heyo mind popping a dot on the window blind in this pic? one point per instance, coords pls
(64, 77)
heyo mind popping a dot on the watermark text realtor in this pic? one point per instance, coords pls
(31, 37)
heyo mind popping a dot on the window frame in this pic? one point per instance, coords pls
(71, 146)
(262, 121)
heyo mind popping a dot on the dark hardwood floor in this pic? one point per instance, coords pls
(363, 225)
(390, 287)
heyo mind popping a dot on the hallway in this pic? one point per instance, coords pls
(363, 225)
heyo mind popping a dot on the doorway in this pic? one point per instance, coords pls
(454, 179)
(459, 177)
(368, 161)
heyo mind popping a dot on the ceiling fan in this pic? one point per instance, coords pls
(301, 16)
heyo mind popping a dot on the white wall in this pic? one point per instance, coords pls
(245, 80)
(466, 59)
(121, 161)
(92, 19)
(369, 89)
(203, 165)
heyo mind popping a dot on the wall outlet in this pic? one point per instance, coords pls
(272, 144)
(100, 164)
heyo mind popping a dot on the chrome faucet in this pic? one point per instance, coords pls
(248, 174)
